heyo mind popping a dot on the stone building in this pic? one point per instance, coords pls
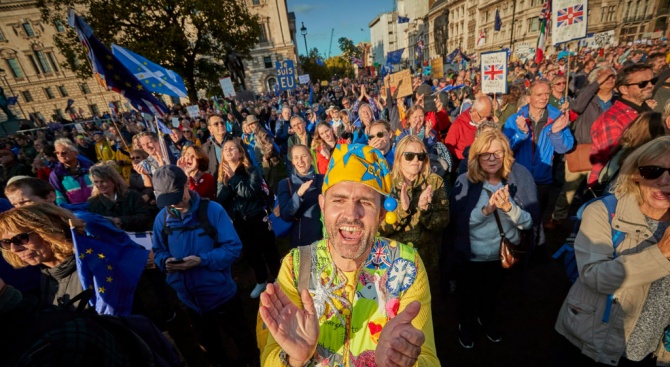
(30, 68)
(277, 42)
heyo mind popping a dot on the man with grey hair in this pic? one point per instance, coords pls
(462, 131)
(300, 134)
(70, 177)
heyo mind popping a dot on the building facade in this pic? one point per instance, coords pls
(30, 68)
(277, 42)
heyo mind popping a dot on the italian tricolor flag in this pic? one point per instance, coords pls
(544, 17)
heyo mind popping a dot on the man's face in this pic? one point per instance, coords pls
(298, 126)
(97, 137)
(148, 145)
(633, 92)
(352, 213)
(216, 126)
(657, 64)
(382, 143)
(345, 103)
(539, 96)
(286, 114)
(24, 196)
(65, 156)
(176, 135)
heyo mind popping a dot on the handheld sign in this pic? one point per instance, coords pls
(304, 79)
(285, 74)
(193, 111)
(227, 87)
(494, 72)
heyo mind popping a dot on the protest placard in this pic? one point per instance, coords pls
(400, 83)
(437, 65)
(494, 72)
(193, 111)
(227, 87)
(303, 79)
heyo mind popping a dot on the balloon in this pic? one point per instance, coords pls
(390, 204)
(391, 217)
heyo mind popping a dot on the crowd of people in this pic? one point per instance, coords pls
(383, 201)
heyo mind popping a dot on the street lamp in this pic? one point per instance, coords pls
(3, 74)
(303, 31)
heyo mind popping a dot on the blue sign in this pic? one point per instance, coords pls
(285, 74)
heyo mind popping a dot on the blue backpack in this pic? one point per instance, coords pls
(568, 250)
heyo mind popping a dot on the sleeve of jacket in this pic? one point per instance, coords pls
(55, 183)
(141, 217)
(437, 215)
(229, 245)
(288, 202)
(248, 187)
(159, 248)
(584, 98)
(562, 141)
(515, 136)
(599, 269)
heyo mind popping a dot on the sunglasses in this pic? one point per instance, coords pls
(409, 156)
(20, 239)
(652, 172)
(136, 157)
(379, 134)
(643, 83)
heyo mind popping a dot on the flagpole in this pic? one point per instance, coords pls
(567, 71)
(161, 142)
(120, 136)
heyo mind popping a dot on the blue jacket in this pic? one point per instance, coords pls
(304, 212)
(429, 141)
(211, 284)
(538, 158)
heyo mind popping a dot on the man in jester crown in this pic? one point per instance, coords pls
(352, 298)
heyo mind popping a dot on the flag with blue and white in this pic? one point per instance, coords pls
(153, 76)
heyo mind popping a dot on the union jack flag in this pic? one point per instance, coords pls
(357, 61)
(570, 15)
(493, 72)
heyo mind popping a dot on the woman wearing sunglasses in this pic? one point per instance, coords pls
(423, 208)
(617, 310)
(493, 185)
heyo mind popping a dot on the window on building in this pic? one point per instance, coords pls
(49, 93)
(93, 108)
(263, 36)
(44, 61)
(36, 116)
(29, 29)
(611, 13)
(34, 63)
(256, 2)
(52, 59)
(267, 60)
(27, 96)
(15, 67)
(62, 91)
(58, 114)
(534, 24)
(84, 88)
(59, 26)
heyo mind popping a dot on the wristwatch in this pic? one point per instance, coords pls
(283, 358)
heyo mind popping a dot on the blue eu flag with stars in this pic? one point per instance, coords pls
(153, 76)
(110, 263)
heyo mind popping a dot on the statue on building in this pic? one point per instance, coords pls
(4, 105)
(440, 27)
(235, 66)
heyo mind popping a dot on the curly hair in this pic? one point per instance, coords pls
(48, 221)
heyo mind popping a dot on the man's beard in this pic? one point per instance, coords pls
(350, 252)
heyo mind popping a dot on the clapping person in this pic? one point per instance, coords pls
(418, 126)
(195, 163)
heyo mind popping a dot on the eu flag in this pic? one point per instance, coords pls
(402, 19)
(110, 263)
(116, 76)
(155, 77)
(393, 57)
(498, 22)
(452, 56)
(320, 62)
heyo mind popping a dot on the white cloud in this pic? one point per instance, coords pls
(303, 8)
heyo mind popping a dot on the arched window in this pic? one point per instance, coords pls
(271, 82)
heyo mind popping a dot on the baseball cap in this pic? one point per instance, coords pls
(169, 184)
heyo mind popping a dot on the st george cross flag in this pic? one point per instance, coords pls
(482, 38)
(569, 18)
(154, 77)
(494, 72)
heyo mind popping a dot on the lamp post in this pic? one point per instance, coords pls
(3, 74)
(303, 31)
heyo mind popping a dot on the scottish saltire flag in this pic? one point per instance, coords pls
(110, 263)
(402, 19)
(394, 57)
(494, 72)
(116, 76)
(498, 22)
(570, 20)
(154, 77)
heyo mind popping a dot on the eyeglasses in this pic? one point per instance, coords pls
(19, 240)
(379, 134)
(561, 83)
(491, 156)
(62, 153)
(409, 156)
(652, 172)
(643, 83)
(135, 158)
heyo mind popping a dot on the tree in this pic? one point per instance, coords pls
(348, 48)
(336, 65)
(188, 37)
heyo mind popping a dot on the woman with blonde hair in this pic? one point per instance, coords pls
(423, 207)
(495, 188)
(240, 191)
(112, 199)
(322, 146)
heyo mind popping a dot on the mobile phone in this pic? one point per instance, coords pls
(177, 261)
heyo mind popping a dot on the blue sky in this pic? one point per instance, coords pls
(346, 16)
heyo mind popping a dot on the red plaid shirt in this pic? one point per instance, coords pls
(605, 133)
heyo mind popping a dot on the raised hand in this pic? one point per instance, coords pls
(404, 197)
(304, 187)
(295, 330)
(560, 123)
(400, 342)
(521, 124)
(426, 198)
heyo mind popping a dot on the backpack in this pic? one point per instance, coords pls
(568, 250)
(203, 222)
(441, 163)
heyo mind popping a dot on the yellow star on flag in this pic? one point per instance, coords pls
(145, 63)
(153, 85)
(139, 87)
(139, 69)
(101, 256)
(109, 279)
(109, 267)
(116, 77)
(128, 84)
(160, 85)
(110, 66)
(146, 81)
(89, 251)
(141, 76)
(81, 256)
(101, 289)
(109, 57)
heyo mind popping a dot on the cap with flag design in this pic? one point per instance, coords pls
(358, 163)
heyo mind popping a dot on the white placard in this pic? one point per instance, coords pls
(193, 111)
(141, 238)
(494, 72)
(79, 128)
(523, 50)
(227, 87)
(175, 121)
(303, 79)
(569, 20)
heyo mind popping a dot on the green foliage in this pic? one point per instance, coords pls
(187, 36)
(334, 66)
(348, 48)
